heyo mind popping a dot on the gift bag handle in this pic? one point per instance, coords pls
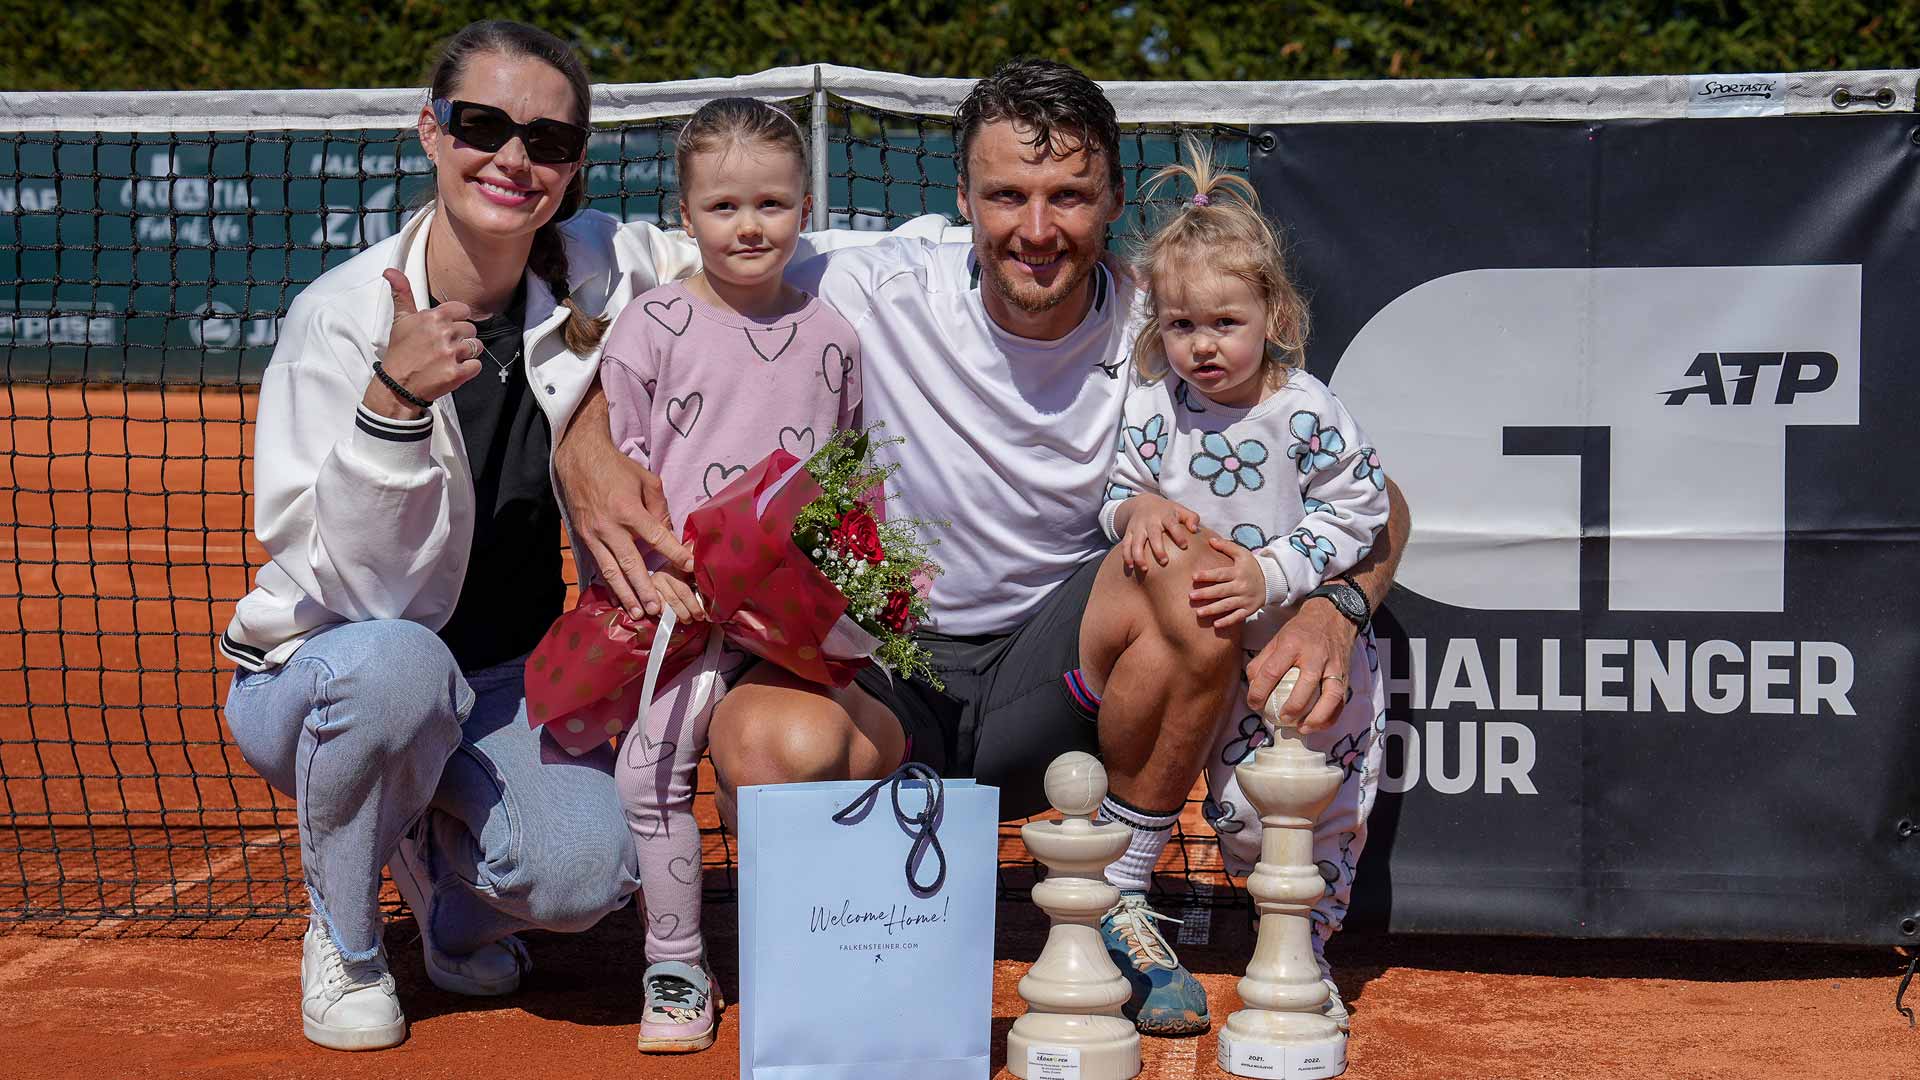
(922, 826)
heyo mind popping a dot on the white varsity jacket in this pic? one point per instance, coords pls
(366, 517)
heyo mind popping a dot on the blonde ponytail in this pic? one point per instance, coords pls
(1219, 227)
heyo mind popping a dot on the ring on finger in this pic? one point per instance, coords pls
(1330, 675)
(474, 347)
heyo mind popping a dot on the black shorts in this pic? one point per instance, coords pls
(1006, 711)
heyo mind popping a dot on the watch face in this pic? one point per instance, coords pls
(1352, 602)
(1349, 601)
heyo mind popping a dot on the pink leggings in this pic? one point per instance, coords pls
(655, 778)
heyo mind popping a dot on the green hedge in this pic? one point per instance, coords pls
(208, 44)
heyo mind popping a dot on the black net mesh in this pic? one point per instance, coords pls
(141, 280)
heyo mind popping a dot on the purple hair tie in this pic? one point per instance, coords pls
(1202, 200)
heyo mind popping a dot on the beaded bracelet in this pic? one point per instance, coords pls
(399, 391)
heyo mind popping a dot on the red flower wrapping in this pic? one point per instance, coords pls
(583, 679)
(585, 676)
(858, 535)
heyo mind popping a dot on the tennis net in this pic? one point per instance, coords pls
(151, 244)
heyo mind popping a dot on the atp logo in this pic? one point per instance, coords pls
(1800, 373)
(1558, 456)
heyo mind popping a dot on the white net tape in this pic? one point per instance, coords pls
(1328, 101)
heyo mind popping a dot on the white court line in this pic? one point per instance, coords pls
(30, 963)
(174, 889)
(214, 869)
(39, 958)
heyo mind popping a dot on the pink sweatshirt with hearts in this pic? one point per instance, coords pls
(697, 394)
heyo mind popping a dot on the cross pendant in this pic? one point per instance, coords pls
(503, 376)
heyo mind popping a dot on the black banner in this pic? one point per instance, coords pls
(1649, 388)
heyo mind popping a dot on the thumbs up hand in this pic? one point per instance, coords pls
(430, 352)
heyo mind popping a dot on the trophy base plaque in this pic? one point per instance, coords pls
(1292, 1059)
(1074, 1048)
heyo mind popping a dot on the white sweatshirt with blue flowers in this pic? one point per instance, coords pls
(1292, 479)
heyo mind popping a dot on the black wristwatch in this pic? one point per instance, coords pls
(1347, 598)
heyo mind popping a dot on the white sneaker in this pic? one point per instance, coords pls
(489, 971)
(347, 1005)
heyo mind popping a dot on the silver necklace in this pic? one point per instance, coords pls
(504, 368)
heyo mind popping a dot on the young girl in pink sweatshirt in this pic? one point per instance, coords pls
(703, 379)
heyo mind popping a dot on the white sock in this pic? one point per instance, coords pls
(1133, 871)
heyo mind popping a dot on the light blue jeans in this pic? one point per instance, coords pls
(375, 733)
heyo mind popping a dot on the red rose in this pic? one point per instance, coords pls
(858, 536)
(898, 614)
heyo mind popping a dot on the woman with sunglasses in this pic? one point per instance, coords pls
(403, 493)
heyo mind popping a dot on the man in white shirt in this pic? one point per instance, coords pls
(1004, 363)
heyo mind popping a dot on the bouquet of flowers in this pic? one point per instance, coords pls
(795, 562)
(879, 565)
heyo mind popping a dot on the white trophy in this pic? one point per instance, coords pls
(1282, 1031)
(1073, 1029)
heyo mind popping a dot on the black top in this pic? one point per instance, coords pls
(513, 590)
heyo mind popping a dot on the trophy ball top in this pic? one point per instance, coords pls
(1271, 710)
(1075, 783)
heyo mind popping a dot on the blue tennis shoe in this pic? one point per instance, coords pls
(1167, 999)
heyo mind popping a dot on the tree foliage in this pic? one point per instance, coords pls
(218, 44)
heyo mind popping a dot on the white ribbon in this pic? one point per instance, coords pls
(707, 686)
(846, 641)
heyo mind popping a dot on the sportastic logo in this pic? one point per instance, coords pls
(1760, 88)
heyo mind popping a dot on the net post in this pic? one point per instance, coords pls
(817, 122)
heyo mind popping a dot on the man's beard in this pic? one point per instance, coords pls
(1033, 299)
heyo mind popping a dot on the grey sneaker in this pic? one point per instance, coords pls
(1167, 999)
(681, 1007)
(489, 971)
(347, 1005)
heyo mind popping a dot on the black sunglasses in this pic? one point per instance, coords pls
(484, 127)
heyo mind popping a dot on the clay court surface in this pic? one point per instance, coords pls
(222, 1001)
(122, 548)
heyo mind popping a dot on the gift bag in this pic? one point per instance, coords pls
(866, 928)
